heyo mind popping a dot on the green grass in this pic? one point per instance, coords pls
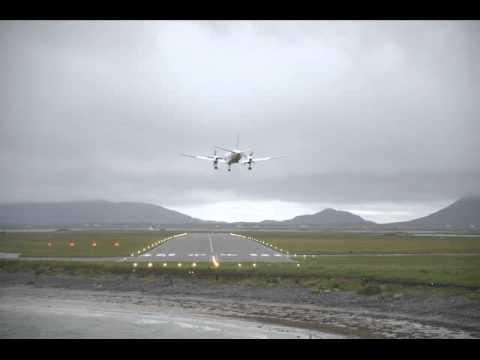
(358, 243)
(441, 270)
(37, 243)
(369, 275)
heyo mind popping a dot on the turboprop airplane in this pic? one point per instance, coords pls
(232, 156)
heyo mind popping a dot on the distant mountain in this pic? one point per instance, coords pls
(462, 214)
(330, 218)
(90, 212)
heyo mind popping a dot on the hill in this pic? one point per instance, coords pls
(90, 212)
(327, 218)
(462, 214)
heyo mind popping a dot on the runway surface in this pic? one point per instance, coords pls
(205, 246)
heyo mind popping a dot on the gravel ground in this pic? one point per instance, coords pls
(341, 313)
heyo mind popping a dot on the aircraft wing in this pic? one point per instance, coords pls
(207, 157)
(262, 159)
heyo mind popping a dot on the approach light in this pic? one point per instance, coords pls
(194, 264)
(150, 264)
(239, 265)
(179, 264)
(254, 265)
(164, 264)
(135, 264)
(298, 265)
(49, 244)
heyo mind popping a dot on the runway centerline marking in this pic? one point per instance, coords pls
(211, 243)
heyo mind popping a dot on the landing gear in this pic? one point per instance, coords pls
(229, 169)
(249, 168)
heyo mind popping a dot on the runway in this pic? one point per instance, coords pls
(205, 246)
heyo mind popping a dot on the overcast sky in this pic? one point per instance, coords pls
(380, 118)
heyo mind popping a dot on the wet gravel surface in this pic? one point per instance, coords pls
(344, 313)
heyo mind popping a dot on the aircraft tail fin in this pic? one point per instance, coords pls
(221, 148)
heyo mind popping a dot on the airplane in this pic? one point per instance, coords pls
(232, 156)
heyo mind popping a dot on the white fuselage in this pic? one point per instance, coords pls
(233, 157)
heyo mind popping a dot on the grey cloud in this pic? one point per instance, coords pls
(365, 111)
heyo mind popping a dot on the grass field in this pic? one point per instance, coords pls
(365, 274)
(370, 275)
(358, 243)
(108, 243)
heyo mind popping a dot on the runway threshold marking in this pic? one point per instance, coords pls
(214, 261)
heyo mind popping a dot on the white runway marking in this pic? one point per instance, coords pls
(161, 254)
(253, 255)
(147, 255)
(265, 255)
(211, 243)
(172, 254)
(277, 255)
